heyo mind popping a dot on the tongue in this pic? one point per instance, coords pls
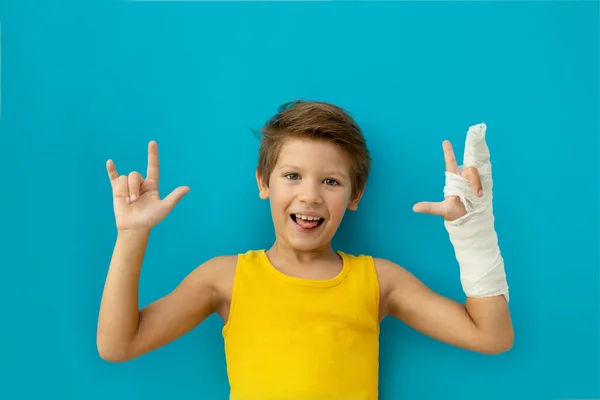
(306, 224)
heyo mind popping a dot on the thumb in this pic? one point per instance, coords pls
(173, 198)
(427, 207)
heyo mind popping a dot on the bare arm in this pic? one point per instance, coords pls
(482, 325)
(118, 318)
(124, 332)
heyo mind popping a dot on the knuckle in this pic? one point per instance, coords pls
(123, 184)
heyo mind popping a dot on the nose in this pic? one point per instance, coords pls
(309, 193)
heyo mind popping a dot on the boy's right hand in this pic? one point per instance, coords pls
(137, 203)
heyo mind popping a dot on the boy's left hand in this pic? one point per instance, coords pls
(452, 207)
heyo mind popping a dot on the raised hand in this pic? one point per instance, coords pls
(136, 201)
(468, 179)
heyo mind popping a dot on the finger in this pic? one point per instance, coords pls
(450, 158)
(426, 207)
(472, 175)
(135, 181)
(477, 152)
(173, 198)
(123, 191)
(152, 161)
(113, 175)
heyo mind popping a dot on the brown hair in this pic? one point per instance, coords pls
(319, 121)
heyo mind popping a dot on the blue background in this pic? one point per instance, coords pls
(83, 82)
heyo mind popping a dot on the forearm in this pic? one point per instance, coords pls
(483, 279)
(481, 325)
(119, 310)
(476, 247)
(475, 243)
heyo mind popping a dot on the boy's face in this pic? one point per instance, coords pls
(310, 189)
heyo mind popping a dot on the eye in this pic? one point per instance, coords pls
(293, 176)
(331, 182)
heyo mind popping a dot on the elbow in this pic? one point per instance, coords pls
(110, 352)
(112, 355)
(499, 349)
(499, 345)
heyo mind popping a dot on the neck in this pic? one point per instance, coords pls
(283, 251)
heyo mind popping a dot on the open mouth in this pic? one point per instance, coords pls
(307, 222)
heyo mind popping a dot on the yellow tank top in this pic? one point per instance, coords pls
(289, 338)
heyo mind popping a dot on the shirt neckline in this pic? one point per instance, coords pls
(309, 282)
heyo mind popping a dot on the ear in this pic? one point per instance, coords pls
(353, 204)
(263, 188)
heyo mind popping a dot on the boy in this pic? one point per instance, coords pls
(302, 320)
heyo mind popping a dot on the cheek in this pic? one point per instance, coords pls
(280, 196)
(337, 205)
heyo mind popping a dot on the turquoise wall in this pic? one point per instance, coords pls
(83, 82)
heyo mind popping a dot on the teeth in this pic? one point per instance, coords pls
(307, 217)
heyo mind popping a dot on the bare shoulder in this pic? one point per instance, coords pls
(208, 278)
(388, 272)
(394, 280)
(220, 271)
(223, 268)
(220, 264)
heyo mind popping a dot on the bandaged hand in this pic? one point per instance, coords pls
(467, 210)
